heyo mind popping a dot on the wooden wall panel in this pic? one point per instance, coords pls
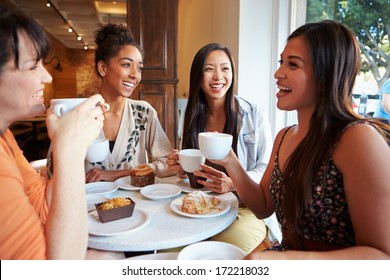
(154, 25)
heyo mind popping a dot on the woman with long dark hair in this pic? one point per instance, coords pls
(40, 219)
(327, 179)
(212, 106)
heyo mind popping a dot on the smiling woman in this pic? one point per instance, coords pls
(131, 126)
(34, 209)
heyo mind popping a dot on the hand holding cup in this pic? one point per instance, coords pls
(191, 161)
(77, 125)
(214, 145)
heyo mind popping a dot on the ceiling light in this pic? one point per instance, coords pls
(70, 27)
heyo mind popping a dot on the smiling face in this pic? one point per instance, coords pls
(21, 88)
(217, 75)
(122, 73)
(295, 77)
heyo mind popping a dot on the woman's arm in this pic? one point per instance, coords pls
(363, 157)
(255, 196)
(386, 102)
(66, 227)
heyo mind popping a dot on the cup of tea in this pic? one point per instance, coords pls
(190, 160)
(214, 145)
(63, 105)
(98, 150)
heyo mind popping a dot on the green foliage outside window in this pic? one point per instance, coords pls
(370, 20)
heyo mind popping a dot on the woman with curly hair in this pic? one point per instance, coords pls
(131, 126)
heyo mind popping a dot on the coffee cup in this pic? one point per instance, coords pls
(98, 150)
(63, 105)
(214, 145)
(190, 160)
(194, 180)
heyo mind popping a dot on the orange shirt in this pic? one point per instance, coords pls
(23, 207)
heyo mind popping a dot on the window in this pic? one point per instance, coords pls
(368, 20)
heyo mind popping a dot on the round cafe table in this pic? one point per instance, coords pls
(166, 229)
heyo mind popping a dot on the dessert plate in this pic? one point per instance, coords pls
(124, 183)
(138, 220)
(211, 250)
(100, 188)
(160, 191)
(184, 184)
(223, 207)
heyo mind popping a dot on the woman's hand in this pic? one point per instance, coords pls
(174, 165)
(217, 181)
(225, 161)
(96, 175)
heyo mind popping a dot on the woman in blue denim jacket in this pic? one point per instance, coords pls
(212, 106)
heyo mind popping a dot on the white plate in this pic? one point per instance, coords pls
(138, 220)
(100, 188)
(211, 250)
(124, 183)
(184, 184)
(223, 207)
(92, 199)
(160, 191)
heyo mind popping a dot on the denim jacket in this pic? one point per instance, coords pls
(254, 140)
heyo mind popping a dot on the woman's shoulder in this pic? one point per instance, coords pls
(246, 106)
(359, 135)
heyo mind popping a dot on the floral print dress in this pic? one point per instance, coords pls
(326, 223)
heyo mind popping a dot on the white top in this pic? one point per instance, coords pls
(166, 228)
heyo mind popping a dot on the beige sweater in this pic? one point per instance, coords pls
(140, 139)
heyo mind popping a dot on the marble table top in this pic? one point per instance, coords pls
(166, 229)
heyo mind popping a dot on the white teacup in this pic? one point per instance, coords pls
(191, 159)
(214, 145)
(98, 150)
(63, 105)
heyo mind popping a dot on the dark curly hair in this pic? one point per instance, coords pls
(110, 39)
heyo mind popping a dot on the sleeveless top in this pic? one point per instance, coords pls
(326, 224)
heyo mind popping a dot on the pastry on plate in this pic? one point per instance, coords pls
(199, 202)
(142, 175)
(115, 209)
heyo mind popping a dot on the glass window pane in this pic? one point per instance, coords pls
(370, 20)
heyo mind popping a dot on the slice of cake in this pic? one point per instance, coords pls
(115, 209)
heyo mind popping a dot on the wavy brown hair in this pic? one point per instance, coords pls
(195, 114)
(336, 61)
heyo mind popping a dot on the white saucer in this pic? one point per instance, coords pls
(160, 191)
(138, 220)
(100, 188)
(184, 184)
